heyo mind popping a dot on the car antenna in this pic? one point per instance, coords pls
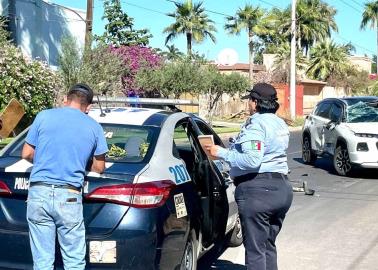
(102, 114)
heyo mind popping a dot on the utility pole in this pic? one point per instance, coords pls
(89, 23)
(292, 60)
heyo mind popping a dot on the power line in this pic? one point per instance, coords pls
(149, 9)
(349, 5)
(358, 4)
(355, 44)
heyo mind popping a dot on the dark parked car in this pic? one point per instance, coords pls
(160, 204)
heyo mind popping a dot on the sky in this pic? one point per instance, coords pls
(150, 14)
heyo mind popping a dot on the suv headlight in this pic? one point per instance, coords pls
(362, 146)
(366, 135)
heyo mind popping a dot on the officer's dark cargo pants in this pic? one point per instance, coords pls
(263, 202)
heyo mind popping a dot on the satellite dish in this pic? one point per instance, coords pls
(228, 57)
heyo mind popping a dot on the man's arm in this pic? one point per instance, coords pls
(98, 164)
(28, 152)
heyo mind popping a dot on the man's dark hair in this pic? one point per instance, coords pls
(81, 93)
(266, 106)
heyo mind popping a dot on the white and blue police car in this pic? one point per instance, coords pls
(160, 204)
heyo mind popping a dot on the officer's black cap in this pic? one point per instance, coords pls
(262, 91)
(83, 88)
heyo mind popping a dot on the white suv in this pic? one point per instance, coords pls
(345, 128)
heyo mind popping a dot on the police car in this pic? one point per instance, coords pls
(160, 204)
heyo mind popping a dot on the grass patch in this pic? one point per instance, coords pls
(298, 122)
(220, 130)
(4, 142)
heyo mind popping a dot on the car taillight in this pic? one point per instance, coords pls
(143, 195)
(4, 189)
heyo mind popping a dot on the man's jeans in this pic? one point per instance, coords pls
(52, 210)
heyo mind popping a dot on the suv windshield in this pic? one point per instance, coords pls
(363, 112)
(126, 143)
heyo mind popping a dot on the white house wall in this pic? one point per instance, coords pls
(40, 27)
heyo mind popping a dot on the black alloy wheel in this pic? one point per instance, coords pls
(341, 161)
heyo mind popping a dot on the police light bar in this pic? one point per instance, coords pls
(146, 101)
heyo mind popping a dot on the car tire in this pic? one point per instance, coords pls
(189, 258)
(341, 161)
(308, 155)
(236, 235)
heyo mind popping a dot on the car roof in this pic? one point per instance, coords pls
(352, 100)
(130, 116)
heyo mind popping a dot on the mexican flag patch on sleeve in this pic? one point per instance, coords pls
(256, 145)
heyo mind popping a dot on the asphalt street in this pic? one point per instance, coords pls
(335, 229)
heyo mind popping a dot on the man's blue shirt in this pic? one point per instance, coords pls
(260, 146)
(64, 140)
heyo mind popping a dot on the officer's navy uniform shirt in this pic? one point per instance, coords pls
(64, 139)
(260, 146)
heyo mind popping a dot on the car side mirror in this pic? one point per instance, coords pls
(331, 125)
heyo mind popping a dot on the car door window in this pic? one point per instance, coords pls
(206, 130)
(336, 112)
(323, 110)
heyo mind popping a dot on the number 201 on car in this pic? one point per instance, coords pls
(180, 173)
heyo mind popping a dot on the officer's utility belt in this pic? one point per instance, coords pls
(251, 176)
(64, 186)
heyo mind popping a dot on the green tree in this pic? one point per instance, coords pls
(172, 80)
(328, 58)
(31, 82)
(248, 18)
(282, 62)
(374, 65)
(370, 15)
(172, 53)
(191, 21)
(69, 61)
(120, 27)
(4, 35)
(353, 80)
(98, 67)
(217, 84)
(315, 21)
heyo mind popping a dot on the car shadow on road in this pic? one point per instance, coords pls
(222, 265)
(325, 163)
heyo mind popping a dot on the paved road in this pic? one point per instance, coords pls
(336, 229)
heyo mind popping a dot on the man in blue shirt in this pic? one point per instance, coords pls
(61, 143)
(258, 163)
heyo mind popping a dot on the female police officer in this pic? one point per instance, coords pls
(259, 166)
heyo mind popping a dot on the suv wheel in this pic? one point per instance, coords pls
(341, 161)
(308, 155)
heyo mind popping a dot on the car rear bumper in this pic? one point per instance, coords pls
(139, 242)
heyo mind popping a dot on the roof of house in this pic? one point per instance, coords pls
(241, 66)
(309, 81)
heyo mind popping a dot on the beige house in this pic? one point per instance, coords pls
(363, 63)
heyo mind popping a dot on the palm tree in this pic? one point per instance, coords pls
(172, 53)
(250, 19)
(192, 21)
(328, 58)
(282, 61)
(315, 21)
(370, 14)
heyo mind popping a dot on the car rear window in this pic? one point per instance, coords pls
(129, 143)
(126, 143)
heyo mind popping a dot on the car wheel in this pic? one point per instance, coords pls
(189, 259)
(341, 161)
(236, 235)
(308, 155)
